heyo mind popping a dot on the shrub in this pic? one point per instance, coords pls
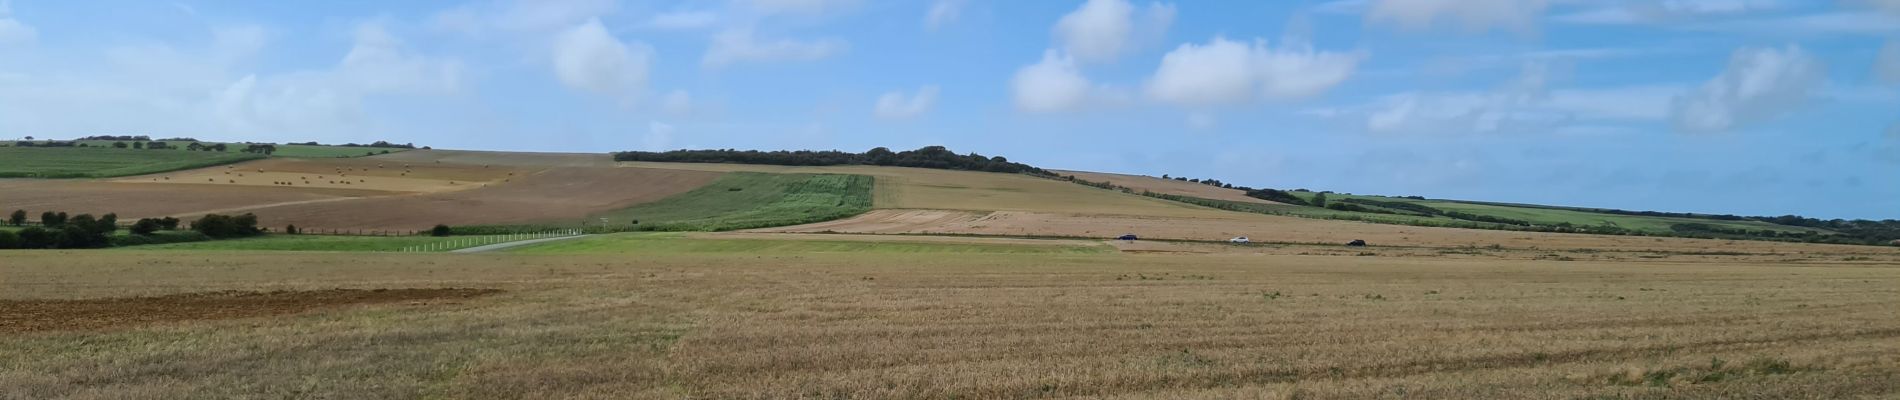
(34, 237)
(225, 226)
(440, 230)
(18, 218)
(9, 240)
(290, 229)
(146, 226)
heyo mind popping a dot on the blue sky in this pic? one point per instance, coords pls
(1730, 106)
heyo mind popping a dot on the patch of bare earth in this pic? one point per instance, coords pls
(25, 316)
(553, 195)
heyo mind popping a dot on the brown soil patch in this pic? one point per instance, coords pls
(497, 158)
(555, 195)
(1166, 186)
(22, 316)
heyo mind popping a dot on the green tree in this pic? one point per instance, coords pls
(34, 237)
(440, 230)
(1319, 200)
(18, 218)
(118, 145)
(138, 145)
(146, 226)
(9, 240)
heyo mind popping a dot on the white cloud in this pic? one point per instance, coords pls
(12, 31)
(1055, 85)
(376, 63)
(1888, 65)
(659, 136)
(1102, 30)
(1524, 104)
(1471, 15)
(587, 57)
(739, 45)
(897, 105)
(1758, 84)
(1228, 72)
(683, 20)
(943, 12)
(677, 103)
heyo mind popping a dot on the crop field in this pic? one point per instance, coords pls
(1545, 216)
(743, 200)
(736, 320)
(91, 162)
(278, 242)
(918, 188)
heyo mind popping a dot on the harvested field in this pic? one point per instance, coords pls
(892, 325)
(342, 173)
(1166, 186)
(555, 194)
(134, 200)
(1268, 228)
(26, 316)
(919, 188)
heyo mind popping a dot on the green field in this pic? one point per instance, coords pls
(308, 151)
(330, 243)
(744, 200)
(95, 162)
(673, 243)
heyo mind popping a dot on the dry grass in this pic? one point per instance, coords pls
(975, 326)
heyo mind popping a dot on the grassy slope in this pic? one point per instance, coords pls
(91, 162)
(306, 151)
(762, 200)
(651, 243)
(1551, 216)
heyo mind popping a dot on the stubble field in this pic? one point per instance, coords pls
(786, 322)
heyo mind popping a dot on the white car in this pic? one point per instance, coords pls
(1241, 239)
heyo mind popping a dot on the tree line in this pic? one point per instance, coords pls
(934, 157)
(58, 230)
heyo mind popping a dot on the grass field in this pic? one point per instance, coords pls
(671, 242)
(93, 162)
(751, 200)
(805, 324)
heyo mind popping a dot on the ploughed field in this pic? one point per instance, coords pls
(839, 316)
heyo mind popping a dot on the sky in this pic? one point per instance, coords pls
(1752, 107)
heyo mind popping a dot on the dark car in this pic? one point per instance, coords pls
(1130, 236)
(1356, 243)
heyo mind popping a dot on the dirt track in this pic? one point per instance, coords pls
(23, 316)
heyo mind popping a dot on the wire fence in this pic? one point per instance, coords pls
(457, 243)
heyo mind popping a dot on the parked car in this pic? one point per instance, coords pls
(1239, 239)
(1130, 236)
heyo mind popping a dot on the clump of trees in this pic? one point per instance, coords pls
(226, 226)
(148, 226)
(441, 230)
(259, 148)
(79, 232)
(934, 157)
